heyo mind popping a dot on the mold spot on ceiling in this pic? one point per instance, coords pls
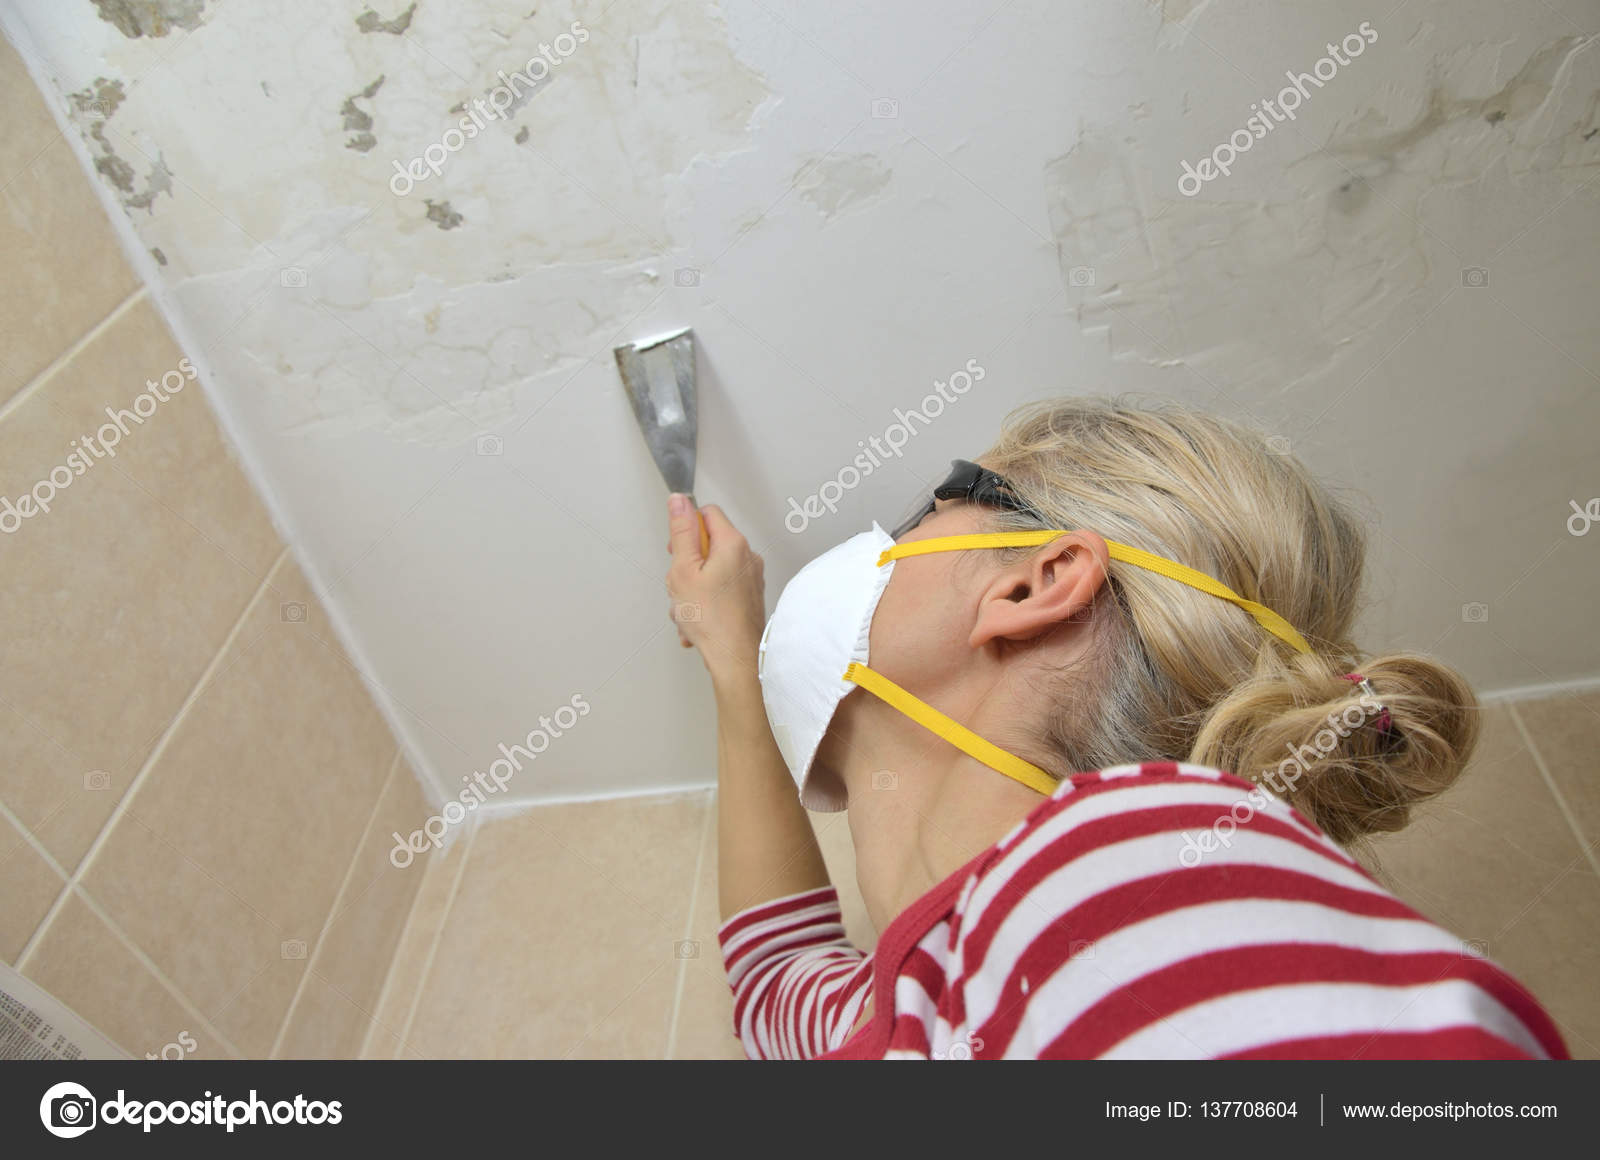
(91, 108)
(136, 18)
(358, 120)
(99, 100)
(442, 215)
(1350, 197)
(156, 182)
(370, 21)
(115, 170)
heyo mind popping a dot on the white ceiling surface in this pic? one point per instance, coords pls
(845, 263)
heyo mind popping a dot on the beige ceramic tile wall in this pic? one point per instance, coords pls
(554, 933)
(1510, 858)
(195, 789)
(586, 930)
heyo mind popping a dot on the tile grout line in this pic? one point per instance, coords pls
(438, 937)
(1550, 783)
(333, 910)
(86, 862)
(1541, 691)
(34, 385)
(31, 840)
(178, 996)
(386, 989)
(496, 810)
(156, 972)
(688, 922)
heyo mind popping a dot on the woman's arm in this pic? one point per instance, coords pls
(765, 845)
(797, 982)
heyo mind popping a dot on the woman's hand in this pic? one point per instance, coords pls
(718, 600)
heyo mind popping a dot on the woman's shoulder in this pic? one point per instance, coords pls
(1175, 815)
(1164, 828)
(1166, 908)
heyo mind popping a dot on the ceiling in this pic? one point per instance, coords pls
(848, 203)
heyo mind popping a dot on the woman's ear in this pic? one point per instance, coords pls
(1033, 596)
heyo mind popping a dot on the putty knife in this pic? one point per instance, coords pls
(659, 376)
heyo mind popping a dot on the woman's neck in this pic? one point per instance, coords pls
(913, 835)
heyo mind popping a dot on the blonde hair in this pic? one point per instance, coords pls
(1180, 675)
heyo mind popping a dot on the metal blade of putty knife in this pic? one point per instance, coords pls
(658, 374)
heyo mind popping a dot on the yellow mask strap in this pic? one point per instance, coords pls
(958, 735)
(1268, 619)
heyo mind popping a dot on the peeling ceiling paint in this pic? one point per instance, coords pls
(358, 120)
(1337, 252)
(370, 21)
(836, 182)
(612, 93)
(136, 18)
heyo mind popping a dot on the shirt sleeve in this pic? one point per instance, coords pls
(798, 984)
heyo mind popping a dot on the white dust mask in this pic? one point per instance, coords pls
(814, 651)
(819, 629)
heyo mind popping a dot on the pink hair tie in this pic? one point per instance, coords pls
(1384, 720)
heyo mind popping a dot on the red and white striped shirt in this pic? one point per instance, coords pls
(1120, 919)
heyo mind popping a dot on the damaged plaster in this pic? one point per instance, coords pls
(155, 18)
(370, 21)
(586, 229)
(1261, 292)
(442, 215)
(840, 180)
(435, 358)
(587, 193)
(358, 120)
(92, 108)
(157, 181)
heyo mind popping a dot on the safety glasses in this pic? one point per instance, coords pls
(974, 484)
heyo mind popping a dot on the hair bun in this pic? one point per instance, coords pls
(1318, 740)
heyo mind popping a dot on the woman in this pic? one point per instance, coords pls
(1174, 601)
